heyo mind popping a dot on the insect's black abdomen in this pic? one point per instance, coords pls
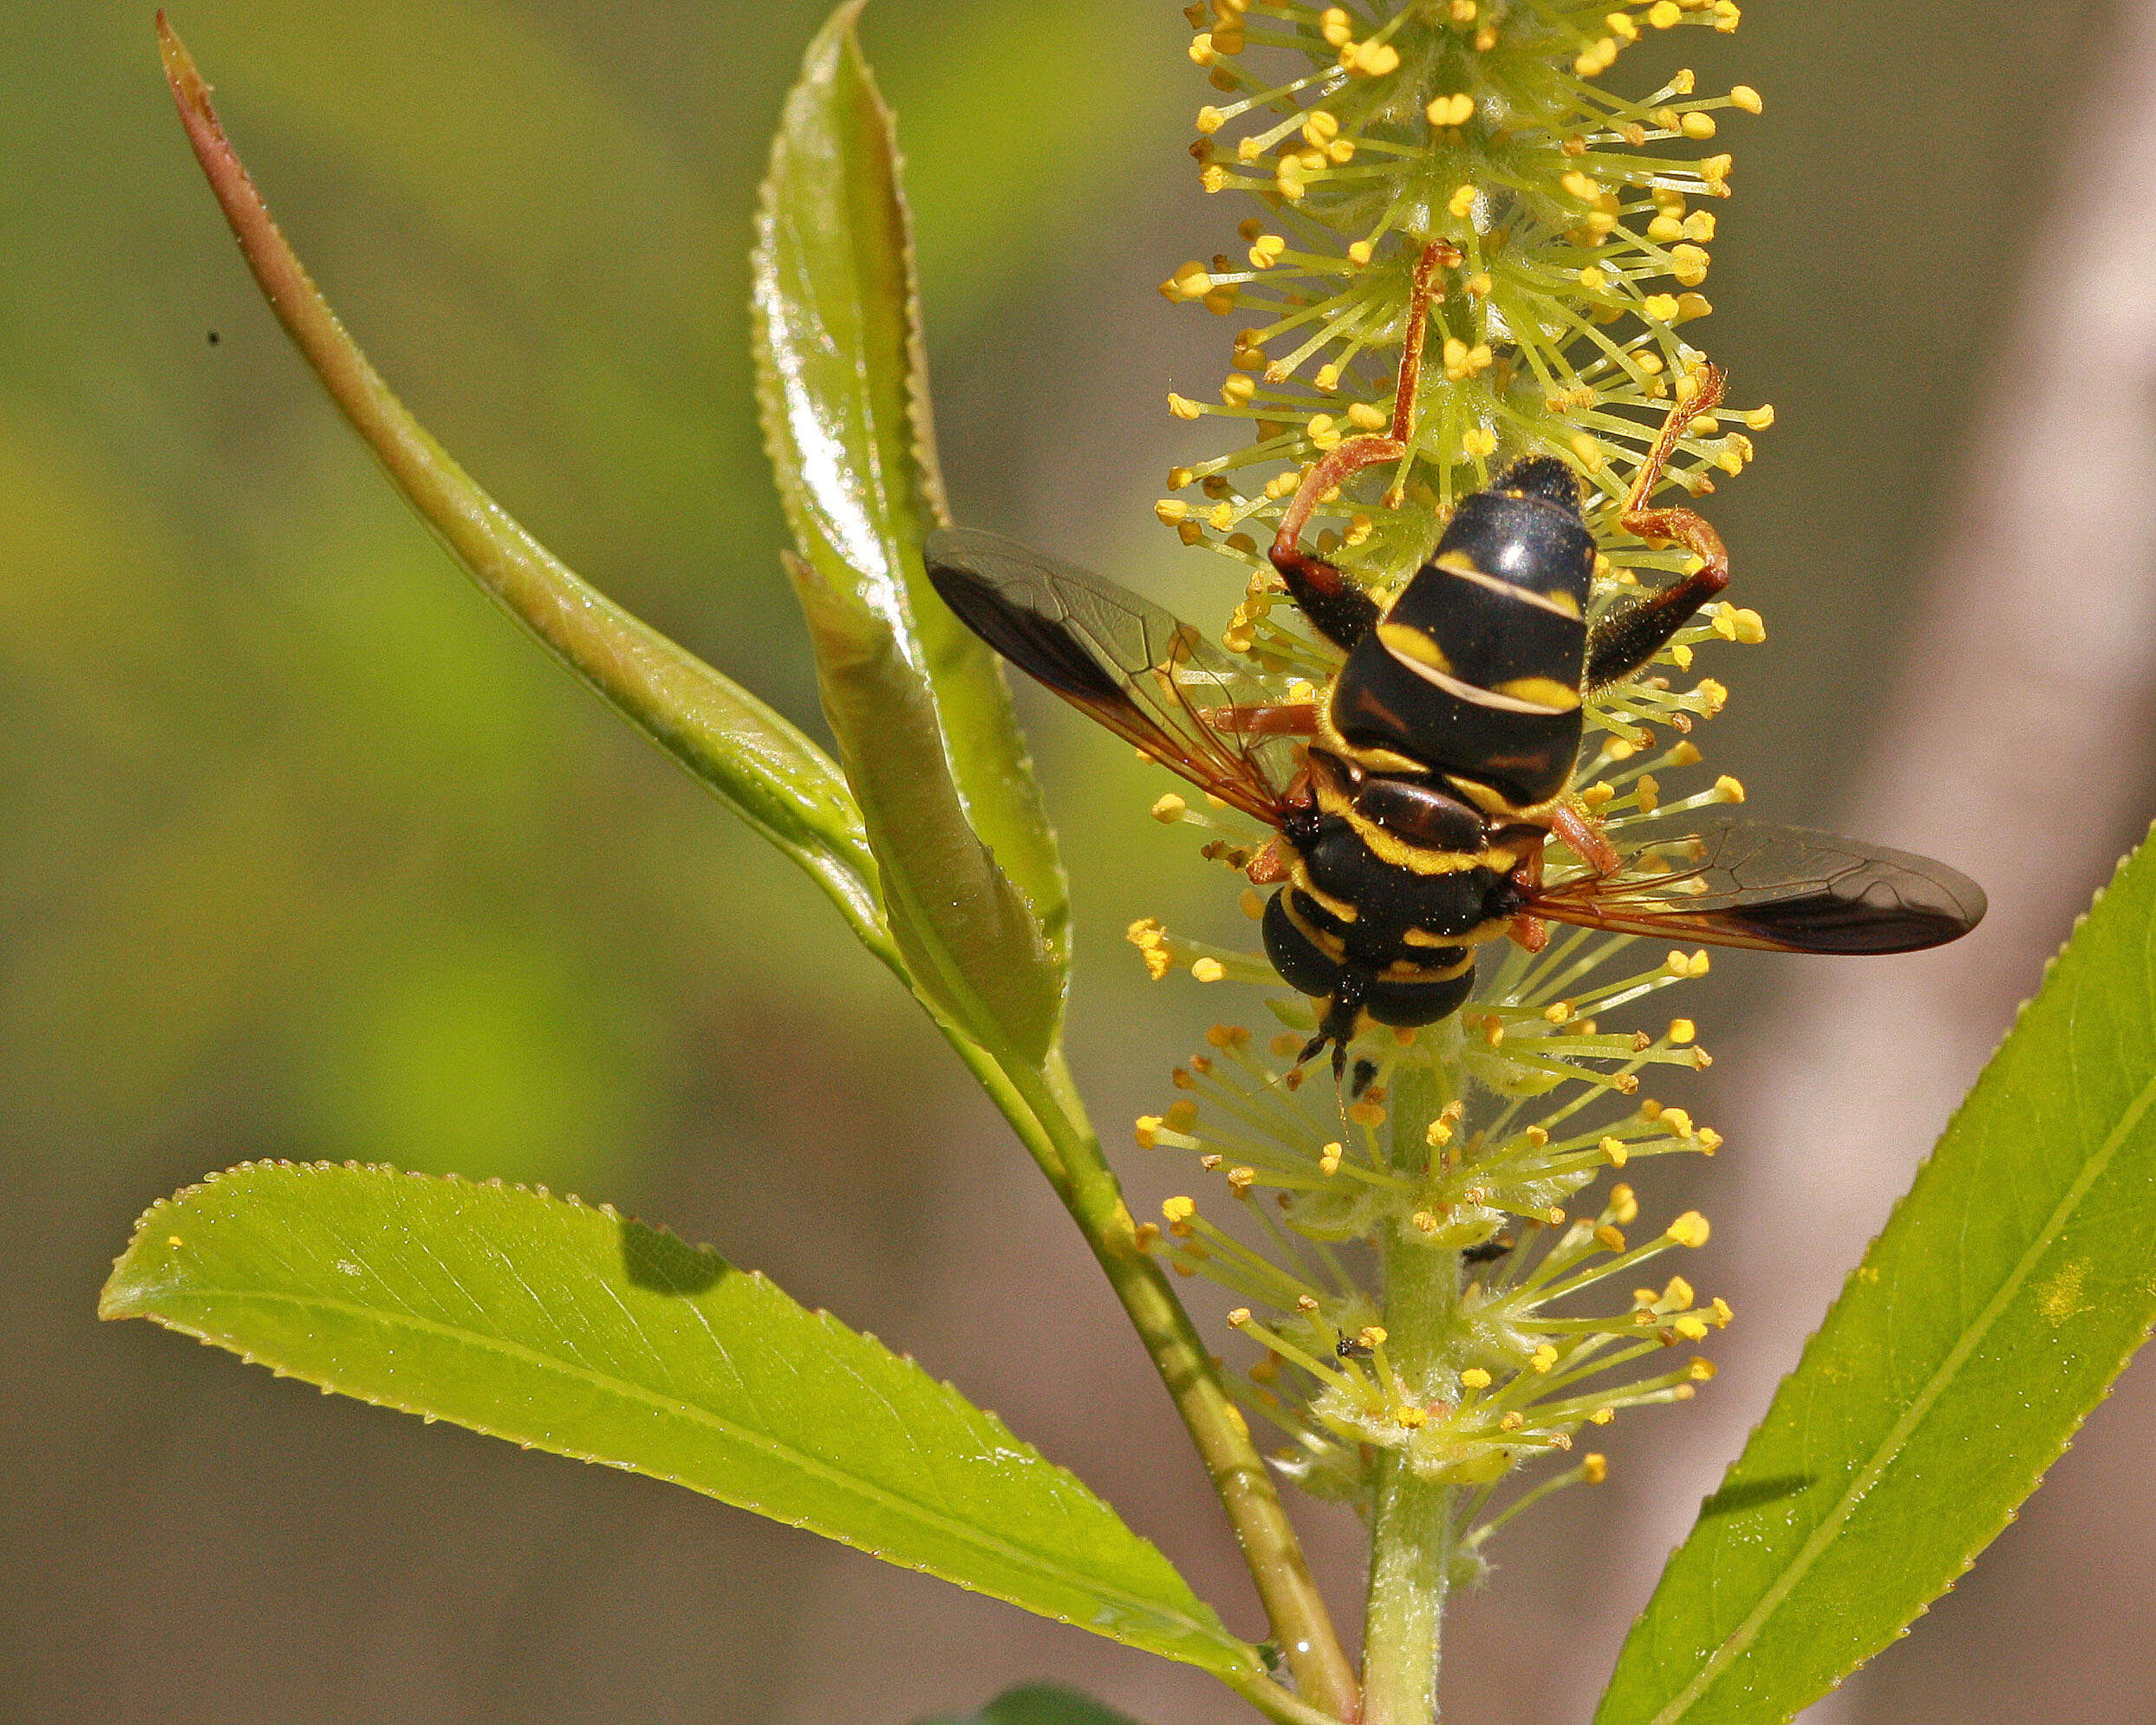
(1474, 669)
(1417, 990)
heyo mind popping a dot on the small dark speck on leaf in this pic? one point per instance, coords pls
(215, 338)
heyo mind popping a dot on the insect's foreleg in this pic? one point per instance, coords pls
(1337, 608)
(1626, 640)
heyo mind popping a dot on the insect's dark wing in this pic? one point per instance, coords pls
(1132, 666)
(1789, 889)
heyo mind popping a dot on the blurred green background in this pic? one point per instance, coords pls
(308, 854)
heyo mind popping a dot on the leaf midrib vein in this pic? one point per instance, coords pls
(882, 1495)
(1861, 1485)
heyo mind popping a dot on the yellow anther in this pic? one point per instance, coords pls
(1614, 1152)
(1178, 1209)
(1367, 1113)
(1598, 793)
(1689, 306)
(1593, 279)
(1170, 809)
(1202, 49)
(1690, 1229)
(1681, 1031)
(1727, 15)
(1663, 229)
(1543, 1357)
(1238, 389)
(1609, 1238)
(1624, 1205)
(1238, 1317)
(1663, 14)
(1370, 60)
(1463, 12)
(1320, 127)
(1648, 792)
(1558, 1013)
(1596, 1468)
(1580, 186)
(1147, 1235)
(1710, 1140)
(1183, 409)
(1410, 1417)
(1171, 510)
(1718, 1313)
(1359, 252)
(1455, 110)
(1461, 203)
(1677, 1297)
(1424, 1220)
(1698, 125)
(1329, 1160)
(1676, 1121)
(1252, 904)
(1589, 452)
(1760, 418)
(1336, 27)
(1208, 970)
(1621, 24)
(1512, 1421)
(1700, 1370)
(1716, 169)
(1698, 965)
(1600, 1417)
(1479, 285)
(1146, 1131)
(1728, 789)
(1700, 224)
(1367, 416)
(1691, 1327)
(1474, 1378)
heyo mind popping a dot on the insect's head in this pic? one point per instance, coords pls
(1541, 476)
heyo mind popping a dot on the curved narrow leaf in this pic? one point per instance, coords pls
(762, 768)
(577, 1330)
(2005, 1294)
(967, 939)
(843, 396)
(1040, 1704)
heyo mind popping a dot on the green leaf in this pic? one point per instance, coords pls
(760, 766)
(844, 395)
(575, 1330)
(2007, 1291)
(1039, 1704)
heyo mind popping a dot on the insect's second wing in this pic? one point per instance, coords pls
(1745, 883)
(1132, 665)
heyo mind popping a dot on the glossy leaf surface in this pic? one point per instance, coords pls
(2007, 1292)
(577, 1330)
(762, 767)
(914, 696)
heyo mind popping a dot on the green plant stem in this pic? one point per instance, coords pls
(1045, 1108)
(1410, 1532)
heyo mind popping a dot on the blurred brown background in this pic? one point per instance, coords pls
(307, 854)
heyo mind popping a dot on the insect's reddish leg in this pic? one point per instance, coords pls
(1588, 841)
(1532, 933)
(1268, 868)
(1299, 568)
(1279, 718)
(1629, 638)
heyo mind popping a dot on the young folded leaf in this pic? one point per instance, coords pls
(2007, 1291)
(843, 396)
(577, 1330)
(759, 766)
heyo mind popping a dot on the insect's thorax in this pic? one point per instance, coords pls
(1474, 671)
